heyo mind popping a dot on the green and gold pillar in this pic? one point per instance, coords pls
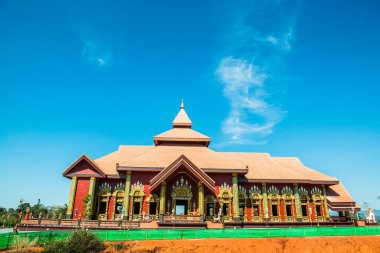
(127, 190)
(298, 203)
(265, 201)
(200, 198)
(70, 204)
(327, 213)
(91, 193)
(162, 197)
(235, 196)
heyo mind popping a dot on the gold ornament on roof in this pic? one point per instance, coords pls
(105, 188)
(287, 190)
(254, 190)
(316, 191)
(273, 190)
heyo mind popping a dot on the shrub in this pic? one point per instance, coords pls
(57, 247)
(22, 244)
(84, 241)
(120, 246)
(78, 242)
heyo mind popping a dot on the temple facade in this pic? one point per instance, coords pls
(181, 176)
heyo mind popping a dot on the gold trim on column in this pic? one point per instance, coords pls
(235, 195)
(126, 194)
(162, 197)
(265, 201)
(298, 202)
(327, 213)
(70, 204)
(200, 198)
(91, 192)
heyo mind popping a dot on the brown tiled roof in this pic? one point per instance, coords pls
(108, 162)
(339, 199)
(338, 194)
(263, 167)
(203, 157)
(181, 135)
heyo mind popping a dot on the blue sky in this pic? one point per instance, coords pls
(285, 77)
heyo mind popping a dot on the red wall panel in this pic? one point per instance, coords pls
(81, 192)
(111, 207)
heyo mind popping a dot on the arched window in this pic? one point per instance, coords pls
(137, 195)
(318, 198)
(274, 203)
(289, 203)
(118, 196)
(256, 200)
(152, 204)
(225, 196)
(210, 204)
(304, 201)
(242, 202)
(104, 194)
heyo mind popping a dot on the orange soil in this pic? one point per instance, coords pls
(365, 244)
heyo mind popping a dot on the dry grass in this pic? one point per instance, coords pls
(23, 245)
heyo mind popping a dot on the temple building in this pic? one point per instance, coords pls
(181, 176)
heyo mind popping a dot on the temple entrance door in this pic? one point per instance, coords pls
(210, 209)
(181, 207)
(181, 197)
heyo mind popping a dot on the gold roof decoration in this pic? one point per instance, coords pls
(287, 190)
(254, 190)
(316, 191)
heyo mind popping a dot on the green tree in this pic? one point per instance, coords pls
(55, 210)
(87, 205)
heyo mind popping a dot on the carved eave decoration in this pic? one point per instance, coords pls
(225, 191)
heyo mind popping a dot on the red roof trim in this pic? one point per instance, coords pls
(89, 161)
(182, 161)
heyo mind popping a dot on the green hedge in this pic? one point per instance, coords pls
(6, 239)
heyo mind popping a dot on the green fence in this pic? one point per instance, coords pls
(167, 234)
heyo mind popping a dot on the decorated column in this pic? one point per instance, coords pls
(265, 201)
(126, 196)
(91, 193)
(327, 213)
(235, 196)
(200, 198)
(70, 204)
(162, 197)
(298, 203)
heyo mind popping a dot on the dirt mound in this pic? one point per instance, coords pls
(363, 244)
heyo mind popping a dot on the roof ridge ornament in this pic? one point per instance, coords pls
(182, 104)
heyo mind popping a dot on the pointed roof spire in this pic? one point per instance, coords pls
(182, 120)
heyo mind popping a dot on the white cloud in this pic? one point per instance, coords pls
(262, 35)
(271, 39)
(282, 41)
(93, 53)
(244, 88)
